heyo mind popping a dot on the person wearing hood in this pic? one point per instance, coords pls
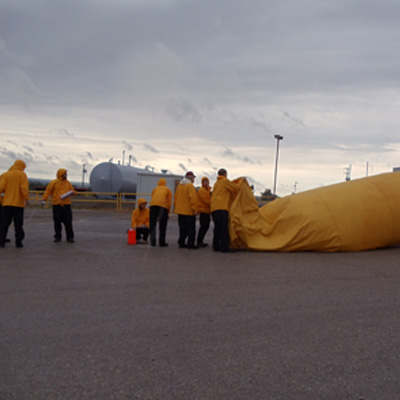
(186, 205)
(224, 192)
(14, 185)
(204, 210)
(141, 221)
(160, 205)
(1, 203)
(60, 190)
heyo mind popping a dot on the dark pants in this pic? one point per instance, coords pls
(204, 225)
(63, 215)
(221, 230)
(142, 233)
(9, 214)
(160, 214)
(187, 229)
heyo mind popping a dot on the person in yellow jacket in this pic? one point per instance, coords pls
(160, 206)
(15, 186)
(60, 190)
(1, 203)
(185, 205)
(224, 191)
(141, 221)
(204, 209)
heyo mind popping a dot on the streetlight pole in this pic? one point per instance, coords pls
(278, 139)
(83, 174)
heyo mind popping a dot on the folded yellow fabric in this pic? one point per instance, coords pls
(356, 215)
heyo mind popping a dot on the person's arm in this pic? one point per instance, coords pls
(193, 199)
(48, 191)
(133, 220)
(25, 188)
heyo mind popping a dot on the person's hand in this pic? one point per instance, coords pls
(43, 203)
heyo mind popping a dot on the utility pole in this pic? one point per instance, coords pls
(83, 174)
(278, 139)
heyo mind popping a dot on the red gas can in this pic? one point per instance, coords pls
(132, 236)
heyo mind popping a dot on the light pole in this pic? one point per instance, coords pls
(83, 174)
(278, 139)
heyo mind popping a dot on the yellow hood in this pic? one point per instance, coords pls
(141, 201)
(61, 172)
(19, 165)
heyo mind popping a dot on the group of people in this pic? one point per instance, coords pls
(14, 196)
(188, 203)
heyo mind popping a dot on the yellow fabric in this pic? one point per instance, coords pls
(186, 201)
(1, 194)
(204, 200)
(356, 215)
(140, 217)
(57, 188)
(224, 191)
(161, 195)
(15, 185)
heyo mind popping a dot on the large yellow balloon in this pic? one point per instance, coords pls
(351, 216)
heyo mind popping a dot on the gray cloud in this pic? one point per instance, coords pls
(13, 143)
(64, 133)
(207, 161)
(8, 153)
(218, 72)
(149, 147)
(28, 149)
(126, 145)
(229, 153)
(184, 111)
(182, 167)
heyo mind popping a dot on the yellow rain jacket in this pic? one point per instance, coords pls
(186, 201)
(140, 217)
(161, 195)
(203, 195)
(57, 188)
(1, 194)
(15, 185)
(357, 215)
(223, 193)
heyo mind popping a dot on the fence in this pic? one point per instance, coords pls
(103, 200)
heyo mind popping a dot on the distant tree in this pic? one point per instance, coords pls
(267, 195)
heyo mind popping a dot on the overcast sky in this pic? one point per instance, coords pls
(199, 85)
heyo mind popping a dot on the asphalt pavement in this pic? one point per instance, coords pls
(101, 319)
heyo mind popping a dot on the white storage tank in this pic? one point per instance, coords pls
(107, 177)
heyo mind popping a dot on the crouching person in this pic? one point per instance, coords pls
(141, 221)
(60, 190)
